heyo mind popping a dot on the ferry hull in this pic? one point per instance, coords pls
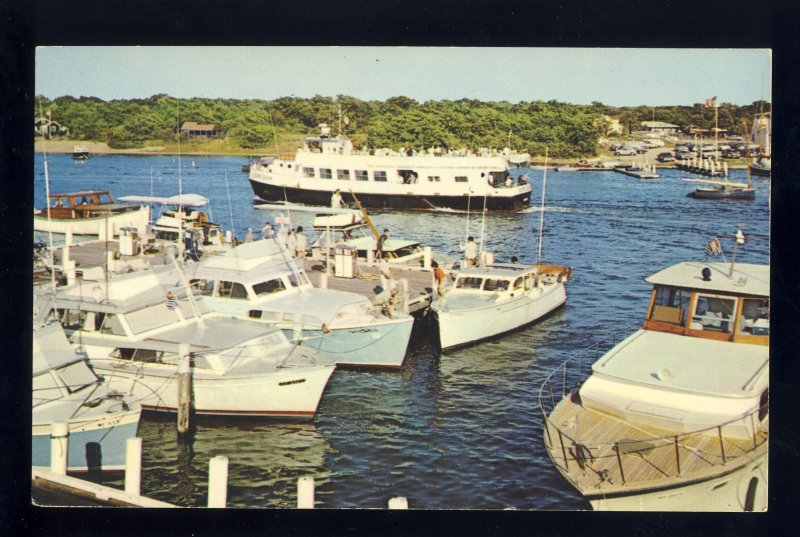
(93, 444)
(285, 393)
(458, 328)
(381, 345)
(268, 192)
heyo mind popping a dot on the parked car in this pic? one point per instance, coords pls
(683, 155)
(666, 156)
(625, 152)
(731, 153)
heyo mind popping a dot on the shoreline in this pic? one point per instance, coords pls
(101, 148)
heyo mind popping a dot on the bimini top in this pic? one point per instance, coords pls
(747, 279)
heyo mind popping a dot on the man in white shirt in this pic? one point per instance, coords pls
(471, 252)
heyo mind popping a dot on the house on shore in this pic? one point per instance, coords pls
(193, 130)
(659, 127)
(48, 128)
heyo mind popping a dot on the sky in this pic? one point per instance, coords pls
(616, 77)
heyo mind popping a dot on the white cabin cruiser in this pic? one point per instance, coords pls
(260, 281)
(136, 328)
(495, 298)
(676, 416)
(388, 181)
(89, 212)
(66, 390)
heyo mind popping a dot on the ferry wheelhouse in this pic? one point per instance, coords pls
(676, 416)
(388, 180)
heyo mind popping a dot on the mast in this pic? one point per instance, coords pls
(541, 216)
(747, 155)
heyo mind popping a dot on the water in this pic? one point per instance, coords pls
(459, 431)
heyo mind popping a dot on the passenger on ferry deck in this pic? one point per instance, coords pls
(336, 199)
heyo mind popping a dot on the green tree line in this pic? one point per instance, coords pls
(565, 130)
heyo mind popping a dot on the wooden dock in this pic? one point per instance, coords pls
(639, 174)
(51, 489)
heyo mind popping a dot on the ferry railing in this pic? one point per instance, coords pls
(709, 444)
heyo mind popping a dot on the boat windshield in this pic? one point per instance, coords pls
(671, 305)
(496, 285)
(713, 313)
(469, 282)
(754, 319)
(269, 287)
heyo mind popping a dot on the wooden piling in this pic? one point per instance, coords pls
(398, 503)
(305, 493)
(218, 482)
(133, 466)
(184, 388)
(59, 447)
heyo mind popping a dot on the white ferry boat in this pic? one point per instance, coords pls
(388, 181)
(491, 300)
(676, 416)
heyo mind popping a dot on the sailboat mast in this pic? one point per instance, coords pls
(541, 212)
(747, 155)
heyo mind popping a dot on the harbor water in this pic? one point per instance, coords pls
(456, 431)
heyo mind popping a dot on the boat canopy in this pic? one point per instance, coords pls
(186, 200)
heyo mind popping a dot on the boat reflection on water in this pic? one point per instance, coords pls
(268, 457)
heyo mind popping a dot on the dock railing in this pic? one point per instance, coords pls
(710, 445)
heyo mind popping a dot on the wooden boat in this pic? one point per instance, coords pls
(89, 212)
(387, 180)
(675, 417)
(66, 390)
(137, 327)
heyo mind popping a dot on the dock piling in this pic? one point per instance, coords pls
(133, 466)
(305, 492)
(218, 482)
(59, 447)
(184, 388)
(398, 503)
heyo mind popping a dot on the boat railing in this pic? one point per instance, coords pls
(672, 455)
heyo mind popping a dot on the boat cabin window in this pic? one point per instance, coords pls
(434, 179)
(325, 173)
(362, 175)
(72, 319)
(302, 277)
(495, 285)
(76, 376)
(204, 287)
(231, 290)
(469, 282)
(713, 313)
(518, 283)
(308, 172)
(269, 287)
(462, 179)
(670, 305)
(104, 198)
(138, 355)
(379, 176)
(754, 317)
(407, 177)
(343, 175)
(411, 249)
(108, 323)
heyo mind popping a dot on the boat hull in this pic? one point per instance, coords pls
(460, 327)
(380, 345)
(272, 193)
(284, 393)
(762, 172)
(719, 194)
(110, 225)
(743, 489)
(96, 444)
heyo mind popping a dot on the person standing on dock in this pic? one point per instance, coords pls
(379, 245)
(336, 199)
(438, 278)
(268, 232)
(300, 245)
(471, 252)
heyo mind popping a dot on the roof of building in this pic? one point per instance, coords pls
(192, 126)
(658, 125)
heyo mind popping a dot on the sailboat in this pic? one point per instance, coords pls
(726, 189)
(763, 164)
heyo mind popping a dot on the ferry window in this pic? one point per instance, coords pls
(495, 285)
(461, 179)
(713, 313)
(469, 282)
(379, 175)
(670, 305)
(343, 175)
(267, 288)
(434, 178)
(308, 172)
(231, 290)
(325, 173)
(362, 175)
(754, 317)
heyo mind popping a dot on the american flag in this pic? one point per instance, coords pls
(712, 102)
